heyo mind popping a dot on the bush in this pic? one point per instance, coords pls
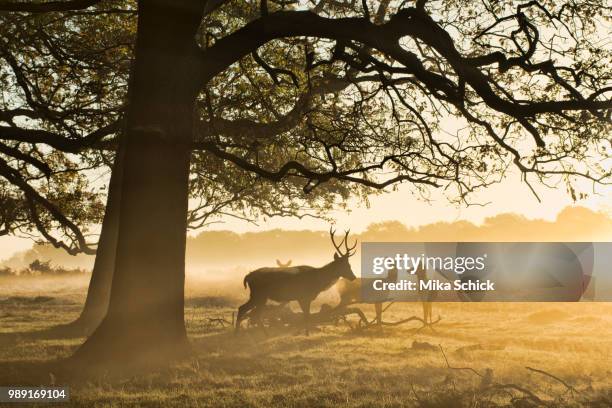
(41, 268)
(6, 271)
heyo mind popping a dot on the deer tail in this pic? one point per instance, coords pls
(245, 282)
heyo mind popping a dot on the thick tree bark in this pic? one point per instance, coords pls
(145, 319)
(98, 292)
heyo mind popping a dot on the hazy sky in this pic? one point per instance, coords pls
(509, 196)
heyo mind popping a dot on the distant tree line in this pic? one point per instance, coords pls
(41, 268)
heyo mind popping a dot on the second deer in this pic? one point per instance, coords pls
(350, 292)
(425, 296)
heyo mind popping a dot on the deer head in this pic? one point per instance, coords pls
(283, 265)
(342, 255)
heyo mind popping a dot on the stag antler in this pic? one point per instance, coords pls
(348, 250)
(344, 241)
(332, 232)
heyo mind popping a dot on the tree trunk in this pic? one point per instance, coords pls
(145, 319)
(98, 292)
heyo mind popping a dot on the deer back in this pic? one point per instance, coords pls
(290, 283)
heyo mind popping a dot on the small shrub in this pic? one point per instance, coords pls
(6, 271)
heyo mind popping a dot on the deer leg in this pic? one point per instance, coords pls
(256, 317)
(305, 306)
(424, 312)
(242, 310)
(378, 308)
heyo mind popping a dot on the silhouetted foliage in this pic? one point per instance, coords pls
(362, 99)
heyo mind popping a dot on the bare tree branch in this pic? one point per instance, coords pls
(47, 6)
(57, 141)
(33, 198)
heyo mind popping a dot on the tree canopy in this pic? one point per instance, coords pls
(278, 107)
(447, 94)
(64, 84)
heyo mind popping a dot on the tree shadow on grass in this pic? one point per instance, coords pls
(25, 373)
(59, 332)
(30, 369)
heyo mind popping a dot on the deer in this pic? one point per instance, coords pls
(350, 292)
(297, 283)
(426, 296)
(272, 312)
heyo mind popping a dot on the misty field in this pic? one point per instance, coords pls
(335, 365)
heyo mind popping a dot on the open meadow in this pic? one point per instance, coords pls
(335, 365)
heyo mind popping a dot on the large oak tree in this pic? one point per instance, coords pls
(320, 95)
(88, 56)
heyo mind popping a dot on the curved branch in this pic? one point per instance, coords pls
(33, 197)
(19, 155)
(385, 38)
(57, 141)
(48, 6)
(294, 168)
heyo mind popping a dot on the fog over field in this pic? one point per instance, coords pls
(475, 355)
(336, 365)
(212, 251)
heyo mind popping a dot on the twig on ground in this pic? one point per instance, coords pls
(529, 395)
(416, 396)
(457, 368)
(568, 386)
(411, 319)
(218, 321)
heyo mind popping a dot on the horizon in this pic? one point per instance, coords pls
(214, 248)
(509, 196)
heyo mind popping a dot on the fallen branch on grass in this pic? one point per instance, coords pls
(218, 321)
(528, 394)
(412, 319)
(568, 386)
(283, 316)
(457, 368)
(491, 386)
(364, 323)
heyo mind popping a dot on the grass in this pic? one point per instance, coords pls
(334, 366)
